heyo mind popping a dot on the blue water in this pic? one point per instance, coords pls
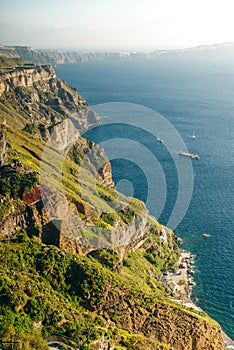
(192, 95)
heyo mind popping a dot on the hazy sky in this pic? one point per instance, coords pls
(123, 24)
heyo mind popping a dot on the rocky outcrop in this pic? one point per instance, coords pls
(95, 161)
(131, 233)
(78, 236)
(37, 90)
(102, 344)
(24, 76)
(124, 238)
(22, 217)
(63, 137)
(106, 175)
(3, 146)
(42, 100)
(8, 51)
(162, 322)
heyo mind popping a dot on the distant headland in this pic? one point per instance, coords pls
(55, 57)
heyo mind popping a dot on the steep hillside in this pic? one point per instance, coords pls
(224, 51)
(54, 57)
(93, 280)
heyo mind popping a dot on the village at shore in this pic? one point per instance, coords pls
(181, 280)
(181, 283)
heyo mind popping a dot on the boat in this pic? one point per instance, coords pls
(189, 155)
(193, 136)
(159, 140)
(206, 235)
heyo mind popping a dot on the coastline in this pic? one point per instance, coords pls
(220, 301)
(181, 283)
(228, 342)
(181, 280)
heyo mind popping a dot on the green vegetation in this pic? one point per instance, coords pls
(44, 285)
(28, 150)
(15, 183)
(46, 291)
(6, 62)
(5, 206)
(164, 257)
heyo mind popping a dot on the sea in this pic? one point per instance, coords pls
(194, 94)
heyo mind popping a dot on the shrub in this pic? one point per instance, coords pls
(14, 183)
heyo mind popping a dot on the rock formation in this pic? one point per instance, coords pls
(3, 145)
(24, 76)
(55, 57)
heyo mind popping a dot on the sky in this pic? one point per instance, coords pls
(116, 24)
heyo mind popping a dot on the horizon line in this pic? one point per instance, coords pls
(117, 49)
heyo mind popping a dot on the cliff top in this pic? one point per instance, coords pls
(6, 62)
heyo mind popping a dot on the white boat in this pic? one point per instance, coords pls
(193, 136)
(159, 140)
(206, 235)
(189, 155)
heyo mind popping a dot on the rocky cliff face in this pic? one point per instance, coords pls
(169, 326)
(3, 147)
(21, 216)
(24, 76)
(124, 238)
(43, 100)
(54, 57)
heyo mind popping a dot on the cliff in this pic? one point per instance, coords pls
(53, 57)
(3, 146)
(34, 98)
(83, 263)
(25, 76)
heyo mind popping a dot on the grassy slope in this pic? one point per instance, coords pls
(10, 62)
(64, 292)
